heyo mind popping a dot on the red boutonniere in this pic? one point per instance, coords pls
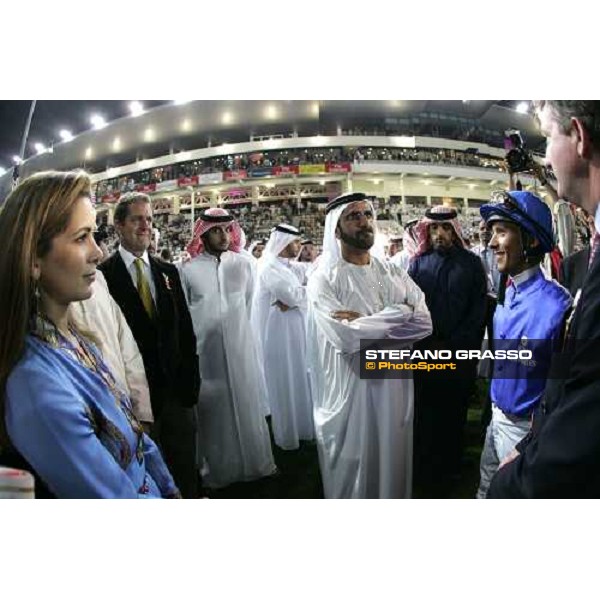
(167, 281)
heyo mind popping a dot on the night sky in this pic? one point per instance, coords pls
(49, 117)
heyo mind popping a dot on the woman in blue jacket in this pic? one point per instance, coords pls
(61, 408)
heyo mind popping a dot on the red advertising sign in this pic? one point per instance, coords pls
(111, 197)
(287, 170)
(238, 174)
(237, 192)
(344, 167)
(145, 188)
(185, 181)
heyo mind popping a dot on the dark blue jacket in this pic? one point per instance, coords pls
(455, 290)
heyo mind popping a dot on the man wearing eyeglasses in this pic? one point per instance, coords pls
(455, 288)
(218, 282)
(560, 457)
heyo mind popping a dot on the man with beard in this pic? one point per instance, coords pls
(233, 437)
(308, 253)
(455, 288)
(363, 426)
(279, 318)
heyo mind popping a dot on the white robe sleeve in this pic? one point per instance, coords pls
(251, 288)
(284, 288)
(408, 321)
(102, 316)
(135, 374)
(184, 283)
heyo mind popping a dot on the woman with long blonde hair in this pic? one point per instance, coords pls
(61, 408)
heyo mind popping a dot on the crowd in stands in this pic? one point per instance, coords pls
(294, 157)
(472, 133)
(125, 376)
(309, 217)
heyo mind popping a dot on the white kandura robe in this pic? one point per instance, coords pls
(363, 427)
(101, 315)
(256, 340)
(284, 350)
(233, 437)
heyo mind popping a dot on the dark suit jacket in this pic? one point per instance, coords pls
(560, 458)
(574, 269)
(167, 343)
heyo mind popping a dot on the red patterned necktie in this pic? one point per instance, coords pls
(594, 248)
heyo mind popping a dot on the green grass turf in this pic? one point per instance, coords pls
(299, 475)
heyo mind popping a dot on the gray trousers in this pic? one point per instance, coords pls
(502, 435)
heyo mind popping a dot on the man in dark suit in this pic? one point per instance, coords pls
(573, 270)
(148, 291)
(560, 457)
(574, 267)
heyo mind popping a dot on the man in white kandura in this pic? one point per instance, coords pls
(363, 426)
(233, 437)
(280, 303)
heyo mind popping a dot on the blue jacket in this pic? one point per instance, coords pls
(63, 419)
(455, 290)
(532, 318)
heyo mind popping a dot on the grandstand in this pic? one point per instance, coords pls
(273, 161)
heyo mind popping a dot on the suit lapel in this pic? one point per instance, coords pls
(164, 299)
(128, 291)
(587, 292)
(158, 284)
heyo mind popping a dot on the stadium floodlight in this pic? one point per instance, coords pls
(97, 121)
(149, 134)
(65, 135)
(2, 171)
(136, 108)
(17, 159)
(523, 107)
(39, 148)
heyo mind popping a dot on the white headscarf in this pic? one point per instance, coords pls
(279, 239)
(331, 245)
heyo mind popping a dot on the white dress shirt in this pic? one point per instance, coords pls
(129, 260)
